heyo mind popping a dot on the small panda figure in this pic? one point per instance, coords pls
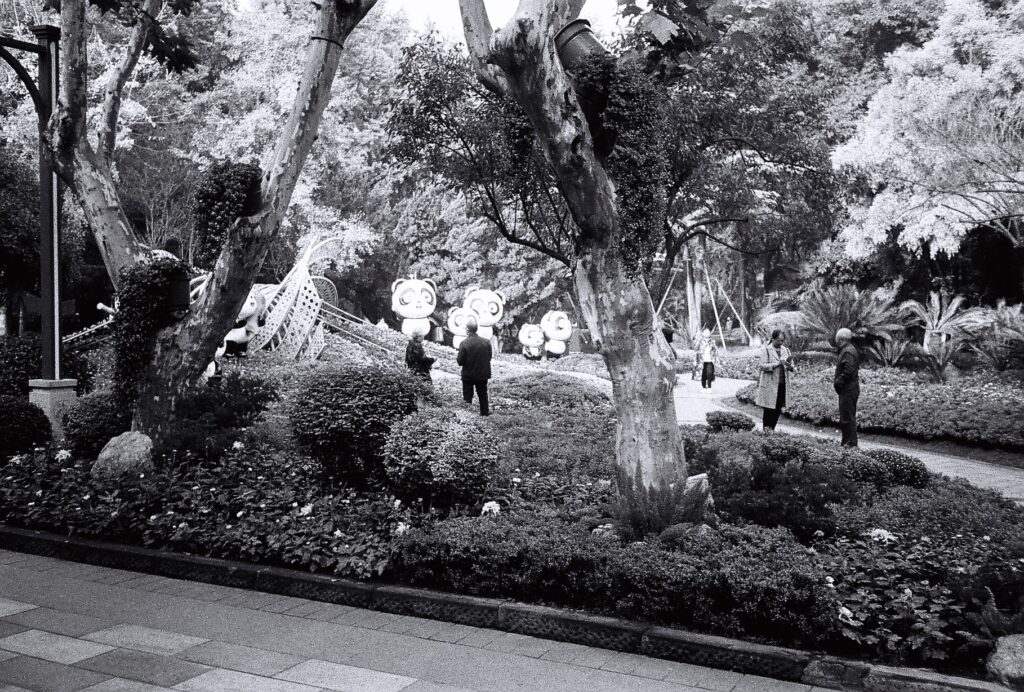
(236, 343)
(457, 319)
(489, 307)
(557, 330)
(531, 336)
(414, 301)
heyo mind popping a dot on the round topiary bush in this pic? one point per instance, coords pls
(23, 425)
(434, 456)
(727, 420)
(903, 468)
(92, 422)
(342, 416)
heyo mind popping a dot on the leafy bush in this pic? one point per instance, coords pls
(435, 457)
(209, 419)
(1000, 338)
(22, 359)
(979, 409)
(903, 468)
(727, 420)
(549, 389)
(342, 416)
(942, 314)
(219, 200)
(23, 426)
(252, 505)
(749, 581)
(93, 421)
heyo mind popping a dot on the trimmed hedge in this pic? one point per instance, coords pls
(92, 422)
(23, 426)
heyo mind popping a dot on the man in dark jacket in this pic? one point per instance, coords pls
(475, 359)
(847, 385)
(416, 358)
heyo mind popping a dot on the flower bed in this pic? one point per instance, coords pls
(818, 546)
(982, 409)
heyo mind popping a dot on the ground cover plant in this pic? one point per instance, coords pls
(816, 546)
(978, 408)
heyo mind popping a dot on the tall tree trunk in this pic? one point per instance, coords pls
(620, 315)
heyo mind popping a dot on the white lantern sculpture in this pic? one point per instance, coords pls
(531, 336)
(414, 301)
(458, 317)
(557, 330)
(489, 307)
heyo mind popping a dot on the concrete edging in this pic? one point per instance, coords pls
(509, 616)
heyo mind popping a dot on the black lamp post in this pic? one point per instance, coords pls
(52, 390)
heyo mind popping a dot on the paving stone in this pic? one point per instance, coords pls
(452, 633)
(69, 624)
(654, 668)
(567, 652)
(12, 688)
(373, 620)
(8, 557)
(52, 647)
(45, 676)
(122, 685)
(335, 676)
(706, 678)
(254, 600)
(282, 605)
(219, 680)
(520, 645)
(756, 683)
(427, 686)
(242, 658)
(479, 637)
(623, 663)
(7, 655)
(305, 609)
(11, 607)
(401, 625)
(424, 629)
(9, 628)
(147, 639)
(139, 665)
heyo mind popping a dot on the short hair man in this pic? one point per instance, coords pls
(847, 385)
(475, 359)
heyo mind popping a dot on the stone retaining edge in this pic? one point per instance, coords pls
(509, 616)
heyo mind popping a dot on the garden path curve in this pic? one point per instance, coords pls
(694, 403)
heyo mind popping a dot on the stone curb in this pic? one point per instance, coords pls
(509, 616)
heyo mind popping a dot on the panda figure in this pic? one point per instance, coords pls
(531, 336)
(489, 307)
(457, 319)
(557, 330)
(414, 301)
(236, 343)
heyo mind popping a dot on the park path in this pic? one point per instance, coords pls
(693, 404)
(66, 626)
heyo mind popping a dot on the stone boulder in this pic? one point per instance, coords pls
(698, 507)
(1006, 664)
(128, 453)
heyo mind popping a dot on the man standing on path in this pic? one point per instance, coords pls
(847, 385)
(475, 359)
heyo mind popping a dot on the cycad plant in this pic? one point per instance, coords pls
(869, 314)
(999, 337)
(890, 353)
(942, 316)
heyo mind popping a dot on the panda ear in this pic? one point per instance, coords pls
(398, 282)
(500, 295)
(451, 310)
(471, 289)
(431, 284)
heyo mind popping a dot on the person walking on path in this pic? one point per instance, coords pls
(475, 358)
(707, 354)
(416, 358)
(771, 385)
(847, 385)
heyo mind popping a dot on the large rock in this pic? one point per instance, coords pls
(698, 507)
(130, 452)
(1006, 664)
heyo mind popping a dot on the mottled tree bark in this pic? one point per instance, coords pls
(520, 61)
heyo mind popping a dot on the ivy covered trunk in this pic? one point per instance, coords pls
(621, 318)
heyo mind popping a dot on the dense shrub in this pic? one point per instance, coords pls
(22, 359)
(93, 421)
(23, 426)
(903, 468)
(342, 416)
(978, 409)
(433, 456)
(728, 420)
(751, 581)
(252, 504)
(549, 389)
(209, 419)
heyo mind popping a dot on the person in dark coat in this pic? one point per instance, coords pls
(475, 359)
(847, 385)
(416, 358)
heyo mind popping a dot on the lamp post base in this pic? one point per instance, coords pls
(54, 397)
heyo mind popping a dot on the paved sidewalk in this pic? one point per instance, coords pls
(65, 626)
(693, 404)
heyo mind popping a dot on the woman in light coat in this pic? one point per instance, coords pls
(771, 386)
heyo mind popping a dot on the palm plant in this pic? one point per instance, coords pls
(868, 314)
(941, 355)
(999, 339)
(942, 316)
(892, 352)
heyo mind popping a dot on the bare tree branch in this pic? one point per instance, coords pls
(477, 27)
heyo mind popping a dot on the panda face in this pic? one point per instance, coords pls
(255, 304)
(457, 319)
(531, 335)
(556, 326)
(413, 299)
(489, 305)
